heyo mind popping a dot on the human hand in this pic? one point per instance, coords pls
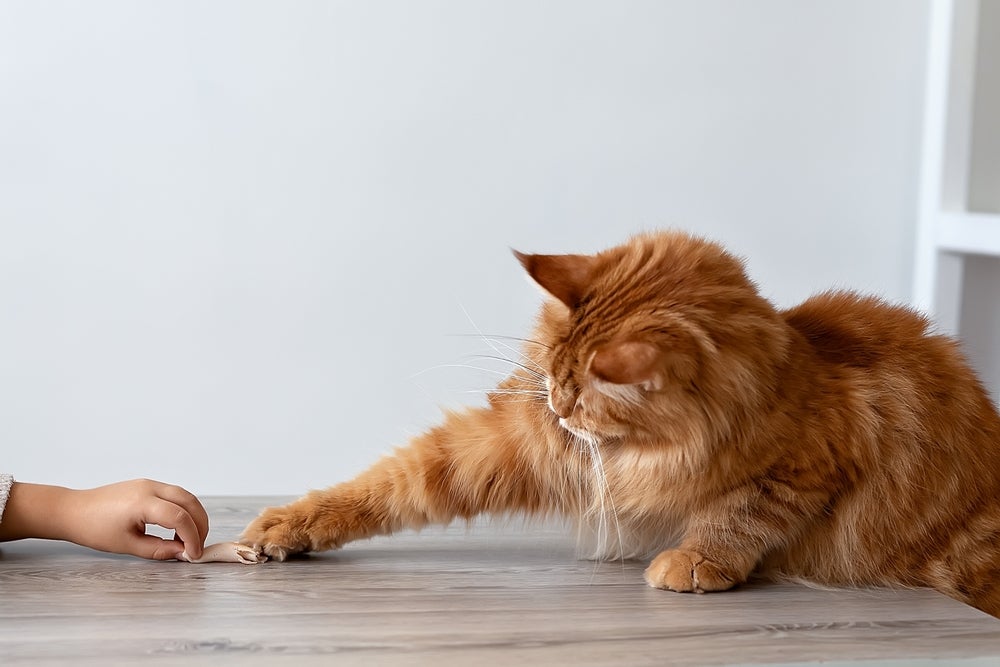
(109, 518)
(113, 518)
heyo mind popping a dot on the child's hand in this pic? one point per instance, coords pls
(109, 518)
(114, 517)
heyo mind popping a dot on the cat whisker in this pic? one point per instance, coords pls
(512, 396)
(520, 392)
(535, 374)
(491, 340)
(497, 337)
(536, 367)
(596, 452)
(479, 331)
(604, 497)
(466, 366)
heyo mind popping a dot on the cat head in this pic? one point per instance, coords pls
(659, 340)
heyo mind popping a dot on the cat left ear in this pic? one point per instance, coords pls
(629, 362)
(566, 277)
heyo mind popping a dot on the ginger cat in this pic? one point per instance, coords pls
(665, 402)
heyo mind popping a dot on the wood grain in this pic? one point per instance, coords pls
(457, 596)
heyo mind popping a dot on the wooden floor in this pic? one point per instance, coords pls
(448, 597)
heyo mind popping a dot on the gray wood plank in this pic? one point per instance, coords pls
(486, 594)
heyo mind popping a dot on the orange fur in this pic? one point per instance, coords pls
(667, 404)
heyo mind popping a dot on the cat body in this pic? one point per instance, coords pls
(673, 412)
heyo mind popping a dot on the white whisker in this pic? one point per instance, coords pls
(522, 355)
(534, 374)
(492, 342)
(510, 397)
(499, 337)
(480, 332)
(596, 449)
(602, 504)
(466, 366)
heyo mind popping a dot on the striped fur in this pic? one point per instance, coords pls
(673, 412)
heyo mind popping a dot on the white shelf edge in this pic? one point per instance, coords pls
(968, 233)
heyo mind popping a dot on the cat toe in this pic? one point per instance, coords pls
(687, 571)
(278, 532)
(275, 552)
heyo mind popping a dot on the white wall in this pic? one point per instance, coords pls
(980, 322)
(232, 232)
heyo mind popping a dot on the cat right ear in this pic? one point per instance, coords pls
(566, 277)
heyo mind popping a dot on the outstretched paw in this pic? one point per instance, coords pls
(280, 532)
(688, 571)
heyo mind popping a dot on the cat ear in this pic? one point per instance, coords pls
(642, 363)
(629, 362)
(566, 277)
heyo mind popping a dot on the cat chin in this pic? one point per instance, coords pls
(583, 437)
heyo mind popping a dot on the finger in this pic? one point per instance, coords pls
(154, 548)
(171, 516)
(187, 500)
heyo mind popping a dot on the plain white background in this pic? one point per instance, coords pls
(980, 323)
(240, 241)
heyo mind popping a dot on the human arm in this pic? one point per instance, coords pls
(109, 518)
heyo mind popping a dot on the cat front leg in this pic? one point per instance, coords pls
(474, 463)
(318, 521)
(728, 538)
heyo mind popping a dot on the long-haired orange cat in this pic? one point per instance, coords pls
(841, 441)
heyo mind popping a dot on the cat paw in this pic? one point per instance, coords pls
(688, 571)
(279, 532)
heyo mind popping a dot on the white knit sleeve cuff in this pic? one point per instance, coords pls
(6, 481)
